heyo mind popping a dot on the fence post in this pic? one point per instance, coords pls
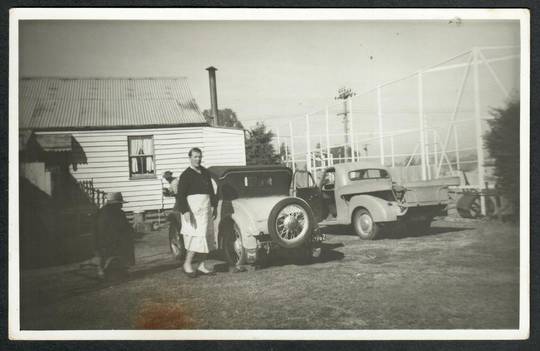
(308, 145)
(327, 138)
(286, 155)
(279, 145)
(479, 139)
(456, 145)
(421, 120)
(380, 122)
(435, 150)
(392, 150)
(292, 147)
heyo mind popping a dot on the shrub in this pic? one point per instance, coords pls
(502, 142)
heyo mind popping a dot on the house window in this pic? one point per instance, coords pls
(141, 157)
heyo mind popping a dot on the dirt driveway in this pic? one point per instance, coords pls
(460, 275)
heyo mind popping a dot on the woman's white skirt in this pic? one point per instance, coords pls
(200, 237)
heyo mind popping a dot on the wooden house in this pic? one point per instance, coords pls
(115, 135)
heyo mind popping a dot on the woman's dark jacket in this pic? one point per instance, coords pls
(192, 182)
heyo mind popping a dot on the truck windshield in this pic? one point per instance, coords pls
(368, 174)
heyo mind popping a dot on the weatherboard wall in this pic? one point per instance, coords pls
(106, 153)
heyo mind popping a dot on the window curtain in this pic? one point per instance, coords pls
(136, 146)
(134, 165)
(142, 147)
(147, 150)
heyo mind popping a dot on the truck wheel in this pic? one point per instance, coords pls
(363, 224)
(291, 223)
(176, 242)
(235, 253)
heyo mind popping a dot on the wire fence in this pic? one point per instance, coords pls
(433, 119)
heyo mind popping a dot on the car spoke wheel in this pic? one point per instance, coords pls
(291, 223)
(235, 253)
(364, 225)
(176, 242)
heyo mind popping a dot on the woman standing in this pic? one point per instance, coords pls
(197, 202)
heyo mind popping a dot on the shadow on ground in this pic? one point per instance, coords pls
(300, 257)
(86, 280)
(432, 231)
(394, 233)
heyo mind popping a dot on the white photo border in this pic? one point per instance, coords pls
(163, 14)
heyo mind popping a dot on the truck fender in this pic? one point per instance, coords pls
(379, 209)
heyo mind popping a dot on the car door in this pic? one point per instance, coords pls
(304, 187)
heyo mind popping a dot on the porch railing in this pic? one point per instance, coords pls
(96, 196)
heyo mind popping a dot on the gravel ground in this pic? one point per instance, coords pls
(460, 275)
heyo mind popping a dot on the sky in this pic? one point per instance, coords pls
(272, 71)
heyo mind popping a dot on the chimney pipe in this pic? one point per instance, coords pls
(213, 93)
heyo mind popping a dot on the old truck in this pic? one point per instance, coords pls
(256, 215)
(364, 195)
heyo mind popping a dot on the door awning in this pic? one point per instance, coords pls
(54, 142)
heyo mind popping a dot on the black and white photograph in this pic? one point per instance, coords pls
(269, 174)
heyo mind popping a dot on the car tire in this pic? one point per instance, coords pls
(364, 225)
(233, 249)
(176, 241)
(291, 223)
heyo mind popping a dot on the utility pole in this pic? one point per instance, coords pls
(344, 94)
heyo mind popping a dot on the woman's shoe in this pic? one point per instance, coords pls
(205, 273)
(190, 274)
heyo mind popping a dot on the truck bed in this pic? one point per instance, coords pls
(429, 192)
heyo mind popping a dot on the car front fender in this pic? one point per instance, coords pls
(381, 210)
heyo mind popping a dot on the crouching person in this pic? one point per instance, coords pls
(114, 239)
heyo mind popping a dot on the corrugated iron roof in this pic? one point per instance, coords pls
(65, 103)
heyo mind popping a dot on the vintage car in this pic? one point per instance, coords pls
(255, 215)
(364, 195)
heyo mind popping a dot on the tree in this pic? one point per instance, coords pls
(259, 148)
(227, 118)
(502, 142)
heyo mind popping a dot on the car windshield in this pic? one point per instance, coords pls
(368, 174)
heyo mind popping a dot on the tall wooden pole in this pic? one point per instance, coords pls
(351, 129)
